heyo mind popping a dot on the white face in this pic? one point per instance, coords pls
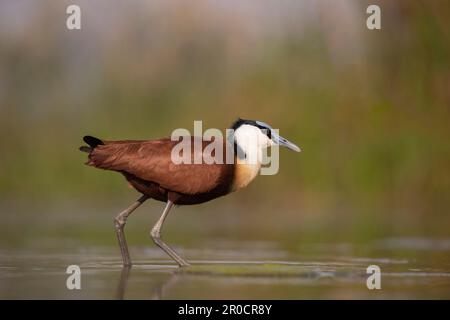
(251, 140)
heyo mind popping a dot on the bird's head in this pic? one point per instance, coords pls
(250, 134)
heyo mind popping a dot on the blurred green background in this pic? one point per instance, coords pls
(370, 110)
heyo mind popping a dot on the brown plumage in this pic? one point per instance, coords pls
(147, 165)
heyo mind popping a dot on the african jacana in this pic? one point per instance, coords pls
(148, 167)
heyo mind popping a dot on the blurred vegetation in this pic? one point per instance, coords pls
(370, 109)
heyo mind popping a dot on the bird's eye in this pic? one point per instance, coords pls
(267, 132)
(265, 128)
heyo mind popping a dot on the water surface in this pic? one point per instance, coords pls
(411, 268)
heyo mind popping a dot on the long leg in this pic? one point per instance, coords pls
(123, 281)
(119, 222)
(156, 236)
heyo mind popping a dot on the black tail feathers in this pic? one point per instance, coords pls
(92, 142)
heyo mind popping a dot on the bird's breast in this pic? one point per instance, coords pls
(243, 174)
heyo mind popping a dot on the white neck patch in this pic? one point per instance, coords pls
(251, 142)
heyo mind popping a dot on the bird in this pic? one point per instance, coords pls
(149, 168)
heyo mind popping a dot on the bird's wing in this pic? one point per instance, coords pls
(151, 161)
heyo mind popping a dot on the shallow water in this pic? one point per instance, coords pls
(410, 268)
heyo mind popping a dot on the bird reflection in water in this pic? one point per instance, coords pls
(158, 290)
